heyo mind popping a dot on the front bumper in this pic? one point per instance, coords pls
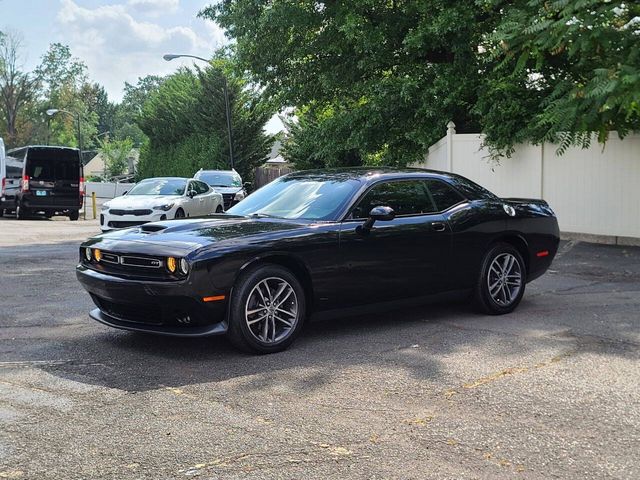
(113, 222)
(172, 308)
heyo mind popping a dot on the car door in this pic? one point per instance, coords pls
(191, 203)
(401, 258)
(208, 195)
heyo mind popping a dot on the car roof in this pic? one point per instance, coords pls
(56, 147)
(368, 173)
(217, 171)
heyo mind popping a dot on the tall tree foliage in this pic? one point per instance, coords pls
(17, 87)
(186, 125)
(562, 71)
(381, 78)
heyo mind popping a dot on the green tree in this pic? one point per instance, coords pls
(18, 89)
(379, 79)
(561, 71)
(384, 76)
(186, 126)
(115, 154)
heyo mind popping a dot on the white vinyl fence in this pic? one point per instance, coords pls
(107, 190)
(594, 191)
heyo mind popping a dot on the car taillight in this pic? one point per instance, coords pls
(25, 183)
(81, 186)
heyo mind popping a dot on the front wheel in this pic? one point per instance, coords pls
(267, 310)
(502, 280)
(74, 215)
(179, 213)
(219, 209)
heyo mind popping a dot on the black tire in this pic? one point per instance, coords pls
(219, 209)
(1, 212)
(240, 333)
(48, 213)
(505, 298)
(21, 212)
(179, 213)
(74, 215)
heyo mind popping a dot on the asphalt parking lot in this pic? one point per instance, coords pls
(550, 391)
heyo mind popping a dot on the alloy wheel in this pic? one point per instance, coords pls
(504, 279)
(271, 311)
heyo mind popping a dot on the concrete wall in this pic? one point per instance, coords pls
(107, 190)
(594, 191)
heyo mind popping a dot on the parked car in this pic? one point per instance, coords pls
(43, 179)
(161, 198)
(315, 241)
(227, 182)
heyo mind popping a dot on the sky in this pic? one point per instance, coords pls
(119, 40)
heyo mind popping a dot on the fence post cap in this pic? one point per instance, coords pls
(451, 127)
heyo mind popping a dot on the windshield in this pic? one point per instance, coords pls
(159, 186)
(220, 179)
(312, 198)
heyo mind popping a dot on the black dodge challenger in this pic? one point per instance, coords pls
(317, 241)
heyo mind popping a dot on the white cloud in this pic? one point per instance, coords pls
(118, 47)
(154, 7)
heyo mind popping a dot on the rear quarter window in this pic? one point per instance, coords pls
(443, 195)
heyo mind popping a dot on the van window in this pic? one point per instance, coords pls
(53, 164)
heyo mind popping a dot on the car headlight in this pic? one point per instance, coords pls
(97, 254)
(87, 254)
(238, 196)
(184, 266)
(164, 208)
(105, 206)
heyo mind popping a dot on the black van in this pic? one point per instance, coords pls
(46, 180)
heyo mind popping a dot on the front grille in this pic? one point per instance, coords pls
(137, 213)
(125, 224)
(140, 266)
(227, 198)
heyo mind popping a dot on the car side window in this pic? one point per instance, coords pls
(191, 186)
(443, 195)
(406, 197)
(201, 187)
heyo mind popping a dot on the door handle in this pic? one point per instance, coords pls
(438, 226)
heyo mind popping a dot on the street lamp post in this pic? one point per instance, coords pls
(169, 56)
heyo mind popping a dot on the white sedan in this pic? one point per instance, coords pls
(156, 199)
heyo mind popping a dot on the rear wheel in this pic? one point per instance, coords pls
(267, 310)
(179, 213)
(502, 280)
(1, 212)
(48, 213)
(74, 215)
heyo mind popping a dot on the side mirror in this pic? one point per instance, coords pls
(125, 192)
(383, 214)
(246, 184)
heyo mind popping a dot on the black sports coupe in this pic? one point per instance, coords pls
(316, 241)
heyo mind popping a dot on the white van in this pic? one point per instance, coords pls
(3, 174)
